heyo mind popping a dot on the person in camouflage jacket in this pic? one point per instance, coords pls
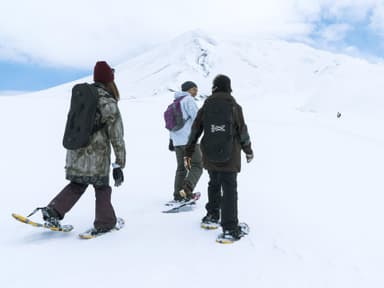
(91, 165)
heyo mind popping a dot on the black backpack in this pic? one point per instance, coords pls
(218, 122)
(84, 118)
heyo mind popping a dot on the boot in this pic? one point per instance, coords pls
(210, 222)
(237, 233)
(186, 191)
(210, 219)
(51, 217)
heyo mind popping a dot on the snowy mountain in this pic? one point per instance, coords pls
(312, 197)
(276, 71)
(272, 71)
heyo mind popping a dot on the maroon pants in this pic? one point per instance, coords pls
(105, 217)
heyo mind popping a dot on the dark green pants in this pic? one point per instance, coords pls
(183, 178)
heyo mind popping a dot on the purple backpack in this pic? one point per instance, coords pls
(173, 116)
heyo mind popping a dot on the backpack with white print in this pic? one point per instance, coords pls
(218, 122)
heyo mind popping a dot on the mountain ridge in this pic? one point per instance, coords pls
(273, 71)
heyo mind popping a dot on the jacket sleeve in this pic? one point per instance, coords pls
(196, 131)
(242, 132)
(115, 130)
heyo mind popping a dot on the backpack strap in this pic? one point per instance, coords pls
(105, 93)
(98, 123)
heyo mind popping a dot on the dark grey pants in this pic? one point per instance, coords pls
(183, 178)
(226, 201)
(105, 217)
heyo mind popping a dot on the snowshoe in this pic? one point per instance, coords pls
(93, 232)
(231, 236)
(173, 203)
(50, 223)
(184, 205)
(50, 216)
(209, 222)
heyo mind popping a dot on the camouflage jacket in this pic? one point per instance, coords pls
(91, 164)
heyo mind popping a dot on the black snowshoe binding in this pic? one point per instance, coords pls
(183, 205)
(231, 236)
(50, 216)
(186, 195)
(186, 192)
(174, 202)
(98, 231)
(210, 222)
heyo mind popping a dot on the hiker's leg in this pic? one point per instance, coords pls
(194, 174)
(105, 217)
(67, 198)
(181, 172)
(214, 194)
(229, 218)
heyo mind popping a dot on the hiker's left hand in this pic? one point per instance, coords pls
(118, 176)
(171, 147)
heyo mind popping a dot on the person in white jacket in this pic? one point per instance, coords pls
(185, 181)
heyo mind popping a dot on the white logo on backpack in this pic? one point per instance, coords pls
(217, 128)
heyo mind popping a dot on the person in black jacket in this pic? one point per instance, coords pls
(221, 146)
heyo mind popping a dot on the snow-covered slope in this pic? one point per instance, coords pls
(274, 71)
(313, 195)
(277, 71)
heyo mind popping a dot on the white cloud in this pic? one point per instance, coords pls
(11, 54)
(335, 32)
(11, 92)
(76, 33)
(377, 18)
(353, 10)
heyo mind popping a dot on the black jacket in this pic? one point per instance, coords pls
(241, 141)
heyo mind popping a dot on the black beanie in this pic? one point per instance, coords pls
(188, 85)
(222, 83)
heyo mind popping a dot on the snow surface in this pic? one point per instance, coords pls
(313, 196)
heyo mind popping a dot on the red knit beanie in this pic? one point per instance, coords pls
(103, 73)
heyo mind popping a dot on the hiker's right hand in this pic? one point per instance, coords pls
(249, 157)
(118, 176)
(170, 146)
(187, 163)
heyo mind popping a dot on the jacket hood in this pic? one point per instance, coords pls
(222, 95)
(181, 94)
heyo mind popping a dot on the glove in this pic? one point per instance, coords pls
(118, 176)
(170, 146)
(187, 163)
(249, 157)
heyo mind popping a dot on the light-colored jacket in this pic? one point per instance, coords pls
(189, 109)
(91, 164)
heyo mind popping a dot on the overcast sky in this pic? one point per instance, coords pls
(72, 34)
